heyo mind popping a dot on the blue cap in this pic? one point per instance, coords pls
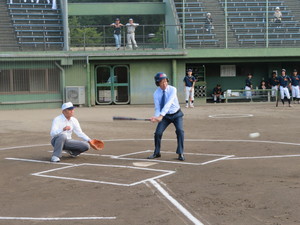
(160, 76)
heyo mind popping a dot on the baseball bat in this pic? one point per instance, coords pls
(277, 100)
(128, 118)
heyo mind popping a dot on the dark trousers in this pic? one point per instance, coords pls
(177, 120)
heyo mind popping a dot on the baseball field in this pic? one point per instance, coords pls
(227, 178)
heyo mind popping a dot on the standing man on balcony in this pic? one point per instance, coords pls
(131, 33)
(117, 32)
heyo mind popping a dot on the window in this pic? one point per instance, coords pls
(29, 80)
(5, 81)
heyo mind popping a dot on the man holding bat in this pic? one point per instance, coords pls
(167, 111)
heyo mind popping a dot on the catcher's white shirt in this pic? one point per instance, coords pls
(60, 122)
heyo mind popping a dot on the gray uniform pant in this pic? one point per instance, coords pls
(60, 143)
(131, 40)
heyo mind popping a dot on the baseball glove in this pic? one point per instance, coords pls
(97, 144)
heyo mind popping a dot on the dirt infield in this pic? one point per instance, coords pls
(227, 178)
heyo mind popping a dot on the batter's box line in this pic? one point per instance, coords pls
(222, 157)
(58, 218)
(43, 174)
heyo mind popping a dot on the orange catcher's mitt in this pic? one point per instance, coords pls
(97, 144)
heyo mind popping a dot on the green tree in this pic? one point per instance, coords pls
(80, 35)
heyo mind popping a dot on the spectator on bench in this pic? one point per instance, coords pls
(277, 17)
(263, 85)
(208, 23)
(217, 94)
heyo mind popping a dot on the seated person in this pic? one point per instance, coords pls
(277, 16)
(217, 94)
(263, 85)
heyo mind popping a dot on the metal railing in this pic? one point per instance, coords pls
(101, 37)
(254, 95)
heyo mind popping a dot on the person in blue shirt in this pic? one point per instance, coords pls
(295, 86)
(249, 86)
(117, 32)
(167, 111)
(284, 83)
(217, 94)
(189, 86)
(273, 83)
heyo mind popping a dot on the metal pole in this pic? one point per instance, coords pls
(226, 29)
(64, 7)
(143, 37)
(267, 23)
(88, 81)
(84, 39)
(183, 24)
(164, 38)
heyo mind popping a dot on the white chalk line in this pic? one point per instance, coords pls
(215, 160)
(164, 173)
(263, 157)
(68, 166)
(229, 116)
(188, 140)
(57, 218)
(183, 210)
(172, 162)
(40, 161)
(24, 146)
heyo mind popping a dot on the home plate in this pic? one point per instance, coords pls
(144, 164)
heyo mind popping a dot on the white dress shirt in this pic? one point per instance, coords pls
(171, 101)
(60, 122)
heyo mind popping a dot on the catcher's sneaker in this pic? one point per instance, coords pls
(71, 153)
(55, 159)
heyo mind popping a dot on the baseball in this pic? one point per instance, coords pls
(254, 135)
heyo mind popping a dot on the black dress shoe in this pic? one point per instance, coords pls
(181, 157)
(154, 156)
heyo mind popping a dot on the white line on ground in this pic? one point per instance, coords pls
(264, 157)
(229, 116)
(161, 161)
(40, 161)
(134, 153)
(57, 218)
(43, 173)
(175, 203)
(215, 160)
(188, 140)
(25, 146)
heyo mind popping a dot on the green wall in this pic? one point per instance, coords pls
(119, 8)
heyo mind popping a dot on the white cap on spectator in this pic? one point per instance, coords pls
(277, 7)
(67, 105)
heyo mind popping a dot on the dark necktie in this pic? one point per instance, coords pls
(162, 102)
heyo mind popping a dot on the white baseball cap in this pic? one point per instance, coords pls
(277, 7)
(67, 105)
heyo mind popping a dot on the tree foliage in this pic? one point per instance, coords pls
(81, 35)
